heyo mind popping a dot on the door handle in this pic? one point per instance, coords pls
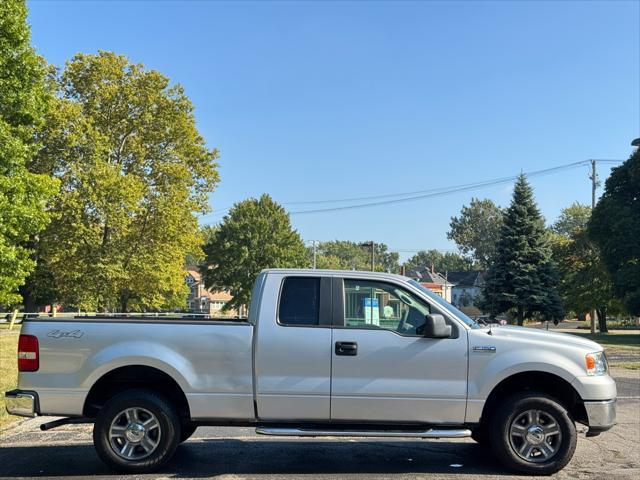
(346, 348)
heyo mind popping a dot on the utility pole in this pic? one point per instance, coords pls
(372, 244)
(594, 186)
(373, 258)
(446, 286)
(315, 251)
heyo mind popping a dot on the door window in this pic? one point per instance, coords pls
(300, 301)
(371, 304)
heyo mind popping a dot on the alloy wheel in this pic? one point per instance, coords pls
(134, 433)
(535, 436)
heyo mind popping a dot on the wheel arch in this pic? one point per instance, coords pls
(129, 377)
(536, 381)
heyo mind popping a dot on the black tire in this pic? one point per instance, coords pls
(532, 447)
(160, 436)
(480, 435)
(186, 431)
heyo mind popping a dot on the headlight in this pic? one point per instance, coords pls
(596, 363)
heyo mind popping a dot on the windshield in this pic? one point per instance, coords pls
(444, 304)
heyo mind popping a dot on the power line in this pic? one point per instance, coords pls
(416, 250)
(319, 243)
(449, 190)
(429, 190)
(350, 199)
(421, 194)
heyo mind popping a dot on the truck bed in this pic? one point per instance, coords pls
(211, 360)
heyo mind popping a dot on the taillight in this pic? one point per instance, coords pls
(28, 353)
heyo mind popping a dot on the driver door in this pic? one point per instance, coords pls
(383, 369)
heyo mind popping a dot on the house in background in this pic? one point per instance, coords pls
(204, 301)
(467, 288)
(434, 281)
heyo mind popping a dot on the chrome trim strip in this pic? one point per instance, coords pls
(159, 320)
(299, 432)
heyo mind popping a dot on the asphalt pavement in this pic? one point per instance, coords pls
(238, 453)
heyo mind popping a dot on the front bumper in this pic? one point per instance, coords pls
(21, 403)
(601, 415)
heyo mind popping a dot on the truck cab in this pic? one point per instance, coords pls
(355, 346)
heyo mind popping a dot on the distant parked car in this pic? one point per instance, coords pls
(487, 320)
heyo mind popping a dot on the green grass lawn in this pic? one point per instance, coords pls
(627, 365)
(622, 349)
(623, 341)
(8, 370)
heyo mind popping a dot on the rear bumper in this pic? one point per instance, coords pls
(21, 403)
(601, 414)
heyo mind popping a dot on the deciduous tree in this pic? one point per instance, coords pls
(329, 262)
(197, 257)
(522, 277)
(348, 255)
(254, 235)
(572, 220)
(134, 173)
(477, 229)
(585, 283)
(24, 100)
(615, 228)
(442, 262)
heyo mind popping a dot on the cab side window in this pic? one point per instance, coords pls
(372, 304)
(300, 302)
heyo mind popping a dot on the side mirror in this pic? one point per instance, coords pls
(436, 327)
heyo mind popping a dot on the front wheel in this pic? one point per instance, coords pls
(480, 436)
(186, 431)
(137, 431)
(533, 433)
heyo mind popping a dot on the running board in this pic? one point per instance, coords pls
(299, 432)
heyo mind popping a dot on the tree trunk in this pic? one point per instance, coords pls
(28, 297)
(124, 301)
(520, 316)
(29, 303)
(27, 291)
(602, 320)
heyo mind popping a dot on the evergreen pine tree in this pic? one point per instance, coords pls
(522, 276)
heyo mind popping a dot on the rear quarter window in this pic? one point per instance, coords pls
(299, 302)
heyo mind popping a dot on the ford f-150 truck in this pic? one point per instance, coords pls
(322, 353)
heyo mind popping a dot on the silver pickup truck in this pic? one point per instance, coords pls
(323, 353)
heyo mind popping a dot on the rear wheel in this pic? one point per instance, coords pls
(533, 433)
(137, 431)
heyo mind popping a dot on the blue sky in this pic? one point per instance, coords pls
(321, 101)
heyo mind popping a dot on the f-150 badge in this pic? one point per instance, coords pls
(484, 348)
